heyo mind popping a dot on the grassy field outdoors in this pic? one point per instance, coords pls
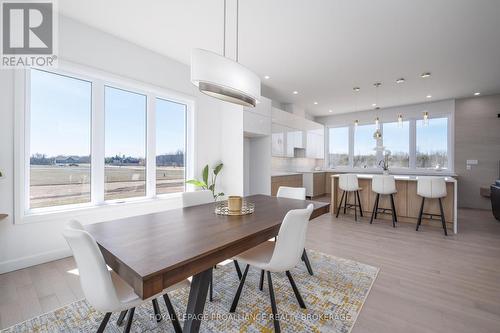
(52, 185)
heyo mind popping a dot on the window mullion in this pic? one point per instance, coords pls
(351, 146)
(151, 146)
(413, 144)
(98, 142)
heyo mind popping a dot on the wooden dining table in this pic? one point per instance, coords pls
(154, 251)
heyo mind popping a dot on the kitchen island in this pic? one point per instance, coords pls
(406, 200)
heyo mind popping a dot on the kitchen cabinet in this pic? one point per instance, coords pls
(294, 139)
(277, 140)
(314, 183)
(315, 144)
(294, 180)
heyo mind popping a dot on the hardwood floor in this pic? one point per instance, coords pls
(427, 282)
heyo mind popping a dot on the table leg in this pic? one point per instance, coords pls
(196, 301)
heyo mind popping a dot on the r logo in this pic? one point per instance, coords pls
(27, 28)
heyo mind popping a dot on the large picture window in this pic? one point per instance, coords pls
(59, 140)
(170, 146)
(364, 154)
(338, 147)
(88, 141)
(396, 140)
(125, 152)
(432, 144)
(412, 145)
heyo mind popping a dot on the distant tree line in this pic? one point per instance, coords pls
(176, 159)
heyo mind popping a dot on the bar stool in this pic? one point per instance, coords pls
(384, 185)
(349, 183)
(431, 188)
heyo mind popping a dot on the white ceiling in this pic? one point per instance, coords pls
(323, 48)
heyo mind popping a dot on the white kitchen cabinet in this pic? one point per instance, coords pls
(294, 139)
(256, 124)
(315, 143)
(277, 140)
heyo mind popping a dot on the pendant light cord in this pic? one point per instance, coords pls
(237, 28)
(224, 38)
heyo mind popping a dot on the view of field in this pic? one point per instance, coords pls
(52, 185)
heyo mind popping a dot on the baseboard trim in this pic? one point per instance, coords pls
(23, 262)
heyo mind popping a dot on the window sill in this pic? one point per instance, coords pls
(104, 212)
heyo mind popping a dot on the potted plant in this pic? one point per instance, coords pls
(385, 163)
(206, 183)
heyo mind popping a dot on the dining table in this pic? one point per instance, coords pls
(154, 251)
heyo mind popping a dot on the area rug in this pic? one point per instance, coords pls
(334, 297)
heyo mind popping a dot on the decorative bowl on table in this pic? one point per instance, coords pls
(222, 208)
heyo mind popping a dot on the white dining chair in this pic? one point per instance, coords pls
(432, 188)
(384, 185)
(279, 256)
(104, 289)
(348, 183)
(200, 198)
(298, 193)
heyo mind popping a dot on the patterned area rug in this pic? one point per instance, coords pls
(334, 297)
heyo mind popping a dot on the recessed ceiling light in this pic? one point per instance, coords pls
(429, 96)
(267, 77)
(401, 80)
(356, 89)
(295, 92)
(425, 75)
(330, 111)
(477, 93)
(374, 104)
(315, 103)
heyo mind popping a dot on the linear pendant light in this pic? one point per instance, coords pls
(223, 78)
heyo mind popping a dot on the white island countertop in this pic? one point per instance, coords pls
(402, 177)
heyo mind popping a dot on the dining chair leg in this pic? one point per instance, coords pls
(374, 208)
(172, 314)
(355, 209)
(211, 291)
(273, 304)
(305, 258)
(196, 301)
(121, 317)
(345, 201)
(443, 222)
(156, 309)
(360, 207)
(104, 322)
(238, 270)
(393, 207)
(130, 319)
(261, 284)
(340, 203)
(296, 290)
(238, 292)
(420, 214)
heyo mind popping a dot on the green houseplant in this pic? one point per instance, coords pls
(206, 183)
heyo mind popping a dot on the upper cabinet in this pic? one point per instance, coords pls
(257, 120)
(290, 131)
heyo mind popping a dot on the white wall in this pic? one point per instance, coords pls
(23, 245)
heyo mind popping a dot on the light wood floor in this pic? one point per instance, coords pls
(427, 282)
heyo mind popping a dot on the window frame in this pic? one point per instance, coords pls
(350, 140)
(99, 79)
(412, 169)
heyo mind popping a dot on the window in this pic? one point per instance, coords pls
(432, 144)
(59, 140)
(396, 139)
(125, 142)
(338, 151)
(85, 141)
(364, 154)
(170, 146)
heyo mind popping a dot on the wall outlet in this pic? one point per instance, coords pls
(468, 167)
(471, 162)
